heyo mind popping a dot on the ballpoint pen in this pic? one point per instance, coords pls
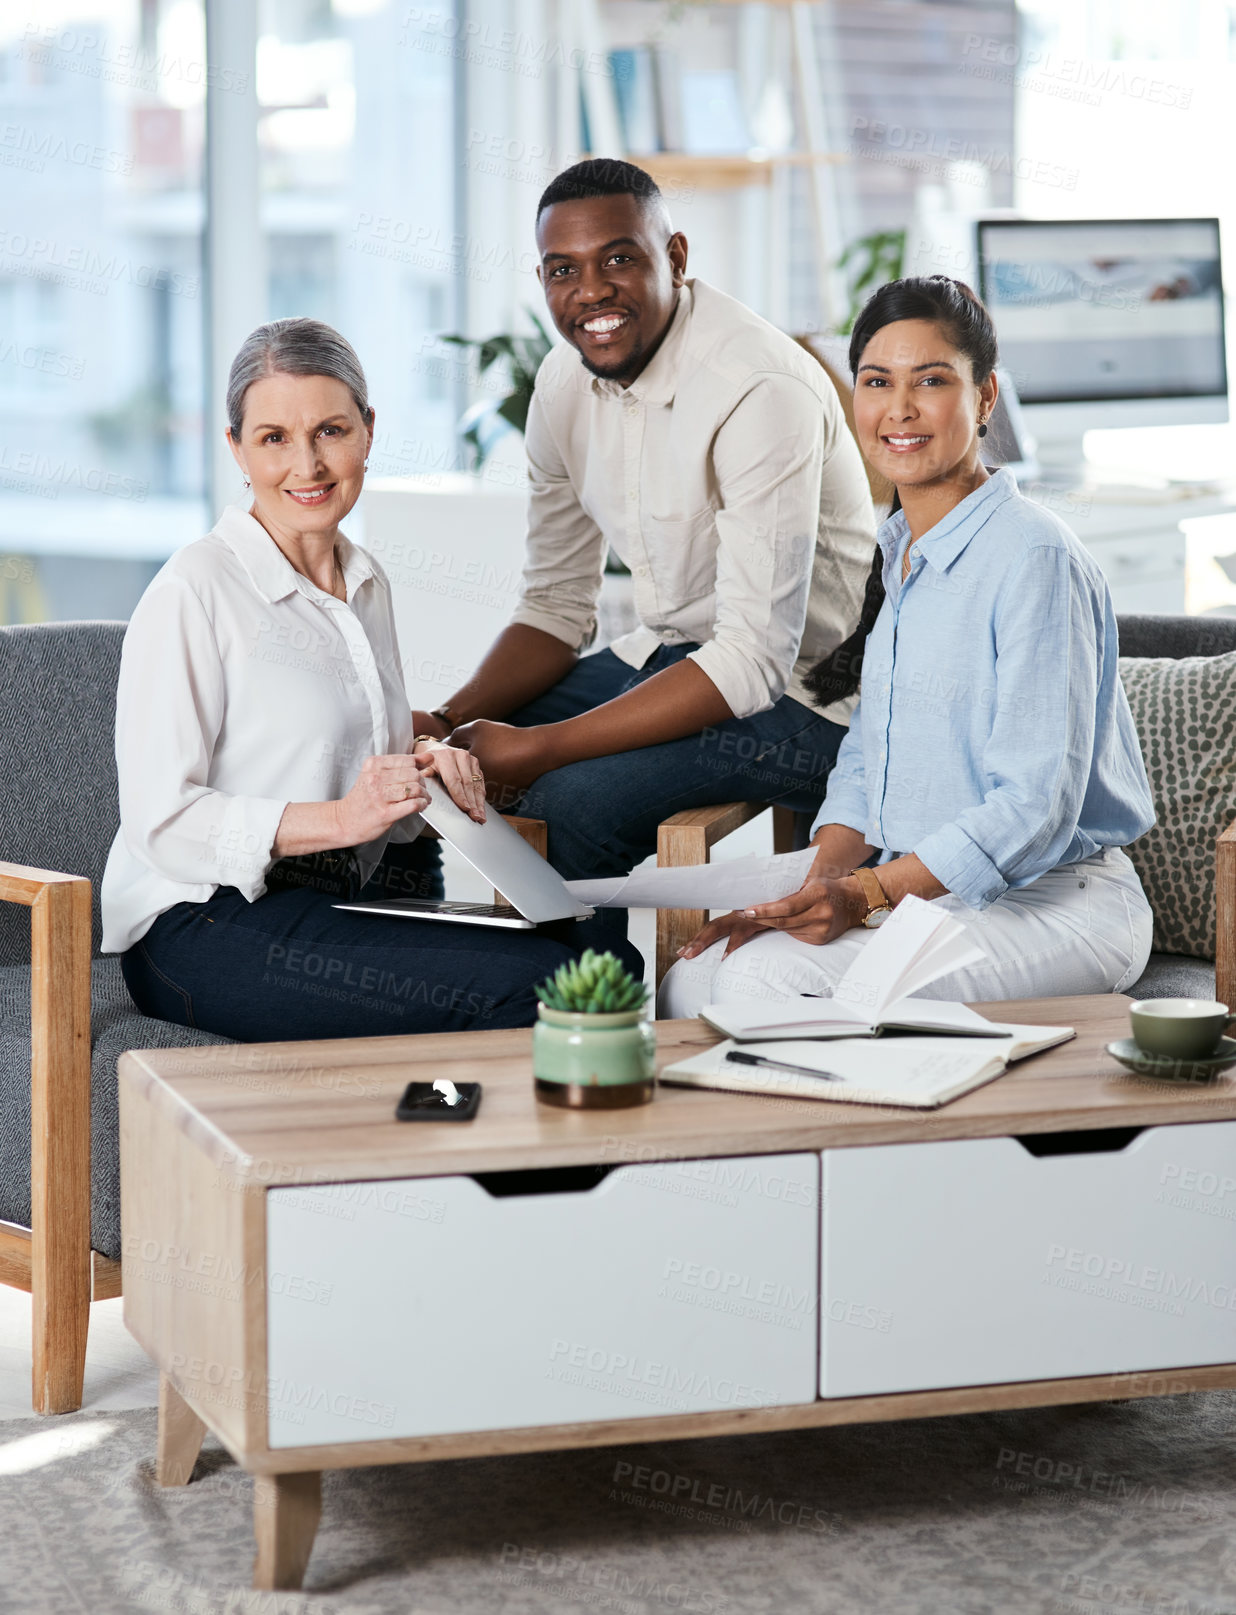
(740, 1057)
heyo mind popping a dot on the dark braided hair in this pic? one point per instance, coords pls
(963, 318)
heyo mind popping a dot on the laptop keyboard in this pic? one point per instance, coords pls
(487, 911)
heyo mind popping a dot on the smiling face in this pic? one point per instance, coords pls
(917, 405)
(302, 444)
(611, 269)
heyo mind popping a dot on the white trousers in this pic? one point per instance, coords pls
(1082, 928)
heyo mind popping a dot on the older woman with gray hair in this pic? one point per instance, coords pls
(267, 761)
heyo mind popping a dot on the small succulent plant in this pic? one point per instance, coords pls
(596, 984)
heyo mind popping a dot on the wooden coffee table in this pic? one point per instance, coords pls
(301, 1266)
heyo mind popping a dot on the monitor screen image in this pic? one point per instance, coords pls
(1095, 310)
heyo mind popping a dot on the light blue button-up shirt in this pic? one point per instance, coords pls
(993, 737)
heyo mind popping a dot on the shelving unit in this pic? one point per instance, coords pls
(730, 172)
(584, 21)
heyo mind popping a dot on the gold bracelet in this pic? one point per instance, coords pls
(428, 740)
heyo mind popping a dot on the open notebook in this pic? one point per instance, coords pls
(921, 1072)
(917, 945)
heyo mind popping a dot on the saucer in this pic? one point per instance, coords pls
(1169, 1069)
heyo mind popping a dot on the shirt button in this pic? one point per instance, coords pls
(641, 571)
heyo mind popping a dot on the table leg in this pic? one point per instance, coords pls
(180, 1437)
(286, 1511)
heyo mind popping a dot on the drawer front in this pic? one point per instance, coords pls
(427, 1306)
(977, 1262)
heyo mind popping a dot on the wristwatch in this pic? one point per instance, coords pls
(878, 906)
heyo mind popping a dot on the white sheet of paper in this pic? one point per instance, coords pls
(736, 883)
(893, 966)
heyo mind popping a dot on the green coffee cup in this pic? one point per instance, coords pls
(1181, 1028)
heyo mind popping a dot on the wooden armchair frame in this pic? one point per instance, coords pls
(688, 838)
(52, 1259)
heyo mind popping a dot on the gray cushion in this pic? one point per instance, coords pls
(117, 1026)
(1167, 975)
(1176, 636)
(1185, 712)
(58, 800)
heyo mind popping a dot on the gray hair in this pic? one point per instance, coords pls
(296, 347)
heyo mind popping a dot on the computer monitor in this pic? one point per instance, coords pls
(1107, 322)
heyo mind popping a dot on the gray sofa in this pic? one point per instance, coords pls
(58, 811)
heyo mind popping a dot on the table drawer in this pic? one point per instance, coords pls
(977, 1262)
(434, 1305)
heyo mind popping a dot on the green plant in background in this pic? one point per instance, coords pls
(597, 984)
(868, 263)
(479, 426)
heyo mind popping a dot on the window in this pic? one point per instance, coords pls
(101, 297)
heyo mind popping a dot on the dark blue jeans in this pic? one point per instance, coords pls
(290, 966)
(603, 814)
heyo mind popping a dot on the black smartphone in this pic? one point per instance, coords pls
(422, 1102)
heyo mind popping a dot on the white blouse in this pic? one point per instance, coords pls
(243, 687)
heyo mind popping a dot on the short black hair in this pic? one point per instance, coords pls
(600, 176)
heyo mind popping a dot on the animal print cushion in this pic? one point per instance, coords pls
(1185, 712)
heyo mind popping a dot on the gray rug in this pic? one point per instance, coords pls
(1110, 1509)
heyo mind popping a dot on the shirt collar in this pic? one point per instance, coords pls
(942, 544)
(658, 380)
(268, 568)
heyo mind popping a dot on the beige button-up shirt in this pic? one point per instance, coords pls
(726, 479)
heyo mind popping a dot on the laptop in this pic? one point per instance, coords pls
(534, 891)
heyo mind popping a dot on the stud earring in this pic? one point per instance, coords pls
(366, 462)
(982, 429)
(248, 485)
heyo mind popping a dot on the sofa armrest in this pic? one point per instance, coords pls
(60, 908)
(685, 839)
(1225, 916)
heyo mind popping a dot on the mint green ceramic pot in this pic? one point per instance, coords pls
(593, 1062)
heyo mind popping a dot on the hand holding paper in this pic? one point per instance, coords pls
(736, 883)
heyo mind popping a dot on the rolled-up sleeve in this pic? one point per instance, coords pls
(170, 709)
(768, 457)
(1037, 761)
(565, 554)
(846, 798)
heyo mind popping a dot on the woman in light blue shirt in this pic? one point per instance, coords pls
(992, 764)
